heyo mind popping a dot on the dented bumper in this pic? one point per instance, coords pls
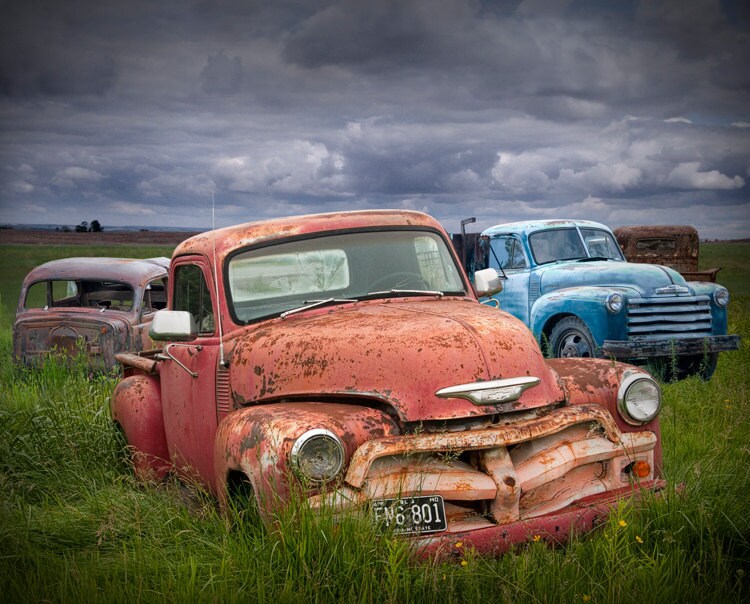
(545, 475)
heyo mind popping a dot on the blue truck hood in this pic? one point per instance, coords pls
(641, 278)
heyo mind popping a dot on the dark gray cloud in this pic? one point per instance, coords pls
(137, 113)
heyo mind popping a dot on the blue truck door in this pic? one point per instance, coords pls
(506, 253)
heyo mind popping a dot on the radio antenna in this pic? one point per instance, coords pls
(222, 362)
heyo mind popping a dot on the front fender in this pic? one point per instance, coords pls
(136, 407)
(719, 325)
(597, 381)
(257, 441)
(586, 303)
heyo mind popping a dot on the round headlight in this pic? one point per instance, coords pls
(317, 455)
(721, 296)
(638, 399)
(614, 302)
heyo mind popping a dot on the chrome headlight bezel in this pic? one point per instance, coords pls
(632, 410)
(614, 302)
(721, 296)
(307, 445)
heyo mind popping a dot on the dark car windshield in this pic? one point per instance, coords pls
(278, 278)
(566, 244)
(80, 294)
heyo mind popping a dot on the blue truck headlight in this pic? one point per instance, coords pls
(638, 399)
(721, 296)
(317, 455)
(614, 303)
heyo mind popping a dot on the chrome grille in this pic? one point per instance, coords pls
(672, 316)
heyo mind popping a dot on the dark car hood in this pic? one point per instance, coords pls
(399, 351)
(644, 279)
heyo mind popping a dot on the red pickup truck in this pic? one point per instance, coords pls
(345, 358)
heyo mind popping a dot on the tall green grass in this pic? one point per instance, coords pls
(76, 526)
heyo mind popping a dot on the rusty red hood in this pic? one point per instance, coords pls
(400, 351)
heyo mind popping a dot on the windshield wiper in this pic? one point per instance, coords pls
(308, 304)
(593, 258)
(405, 292)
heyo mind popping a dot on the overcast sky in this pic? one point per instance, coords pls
(137, 112)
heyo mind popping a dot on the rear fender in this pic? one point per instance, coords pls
(257, 442)
(136, 407)
(597, 381)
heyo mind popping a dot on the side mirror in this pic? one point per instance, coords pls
(487, 282)
(173, 325)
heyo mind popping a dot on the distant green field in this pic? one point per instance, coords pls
(734, 260)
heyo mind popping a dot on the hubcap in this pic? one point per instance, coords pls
(574, 345)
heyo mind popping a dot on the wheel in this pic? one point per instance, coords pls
(571, 338)
(400, 280)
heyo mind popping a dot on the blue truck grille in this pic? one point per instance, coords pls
(671, 317)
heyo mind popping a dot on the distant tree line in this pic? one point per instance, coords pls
(85, 227)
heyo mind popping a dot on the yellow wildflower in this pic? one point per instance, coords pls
(459, 544)
(537, 537)
(464, 562)
(622, 523)
(638, 539)
(587, 598)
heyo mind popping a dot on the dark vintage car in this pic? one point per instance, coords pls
(94, 306)
(675, 246)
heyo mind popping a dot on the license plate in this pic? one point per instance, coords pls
(410, 515)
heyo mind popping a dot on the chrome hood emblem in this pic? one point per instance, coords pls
(671, 290)
(490, 393)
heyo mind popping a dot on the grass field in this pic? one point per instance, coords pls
(74, 525)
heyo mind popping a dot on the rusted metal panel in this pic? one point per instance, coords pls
(675, 246)
(322, 353)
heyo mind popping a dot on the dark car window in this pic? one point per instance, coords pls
(155, 296)
(601, 244)
(191, 294)
(506, 253)
(77, 294)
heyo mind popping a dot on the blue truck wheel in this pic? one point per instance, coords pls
(570, 337)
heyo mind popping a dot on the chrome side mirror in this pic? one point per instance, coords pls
(487, 282)
(173, 326)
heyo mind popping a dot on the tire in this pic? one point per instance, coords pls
(570, 337)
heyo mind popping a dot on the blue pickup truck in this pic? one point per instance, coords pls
(569, 282)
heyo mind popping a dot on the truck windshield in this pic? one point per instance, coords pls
(270, 280)
(566, 244)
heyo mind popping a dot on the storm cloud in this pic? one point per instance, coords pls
(138, 113)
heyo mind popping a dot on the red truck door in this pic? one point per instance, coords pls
(188, 379)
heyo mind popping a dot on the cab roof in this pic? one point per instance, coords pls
(531, 226)
(126, 270)
(244, 235)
